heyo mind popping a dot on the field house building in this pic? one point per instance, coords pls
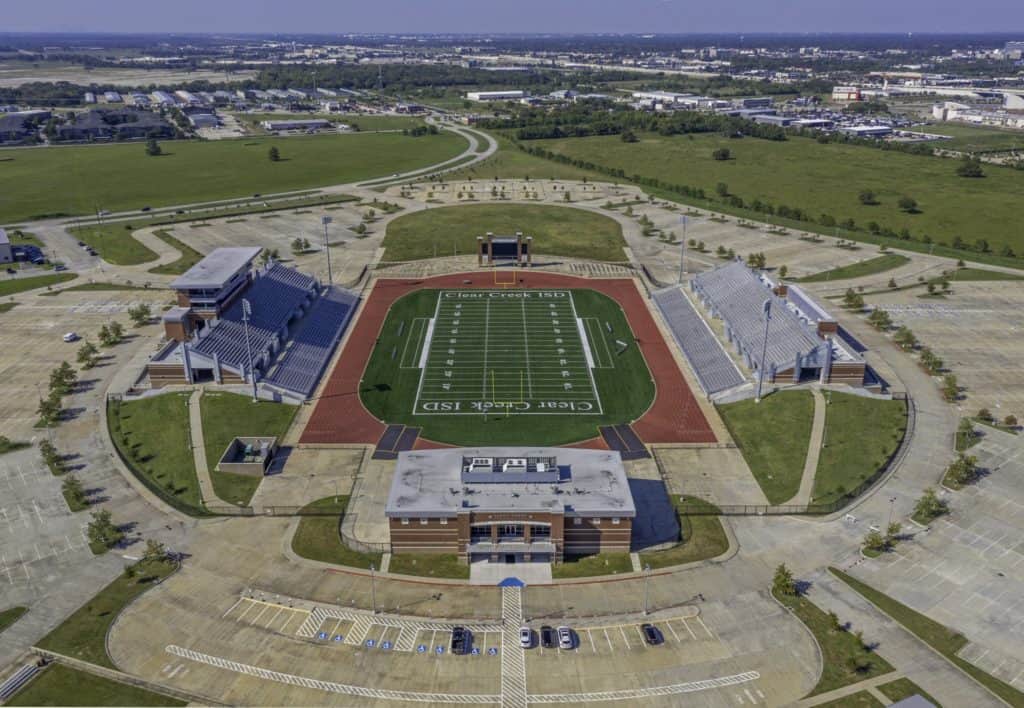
(291, 331)
(510, 504)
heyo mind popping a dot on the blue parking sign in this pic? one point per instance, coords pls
(371, 643)
(475, 651)
(339, 638)
(322, 635)
(385, 645)
(439, 649)
(421, 648)
(493, 651)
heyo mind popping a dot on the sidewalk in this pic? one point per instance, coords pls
(803, 496)
(195, 421)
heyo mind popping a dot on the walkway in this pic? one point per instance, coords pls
(803, 497)
(195, 421)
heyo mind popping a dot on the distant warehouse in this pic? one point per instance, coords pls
(495, 95)
(310, 124)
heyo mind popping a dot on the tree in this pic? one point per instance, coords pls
(722, 189)
(892, 531)
(140, 314)
(628, 136)
(929, 506)
(930, 361)
(87, 355)
(102, 532)
(852, 300)
(757, 260)
(880, 319)
(833, 622)
(73, 489)
(153, 148)
(908, 204)
(905, 338)
(867, 197)
(963, 470)
(1010, 421)
(63, 379)
(875, 541)
(971, 168)
(155, 551)
(783, 271)
(892, 283)
(950, 388)
(49, 410)
(567, 196)
(273, 154)
(360, 229)
(985, 415)
(722, 154)
(117, 331)
(783, 582)
(106, 339)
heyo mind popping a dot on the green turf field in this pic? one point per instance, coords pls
(825, 179)
(82, 179)
(481, 367)
(556, 231)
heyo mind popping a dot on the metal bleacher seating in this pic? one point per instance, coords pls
(314, 341)
(714, 369)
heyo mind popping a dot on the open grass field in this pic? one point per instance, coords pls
(511, 163)
(11, 615)
(83, 635)
(492, 367)
(942, 639)
(227, 416)
(903, 688)
(429, 565)
(10, 286)
(60, 685)
(82, 179)
(838, 647)
(702, 538)
(189, 255)
(872, 266)
(860, 436)
(366, 123)
(318, 537)
(152, 435)
(556, 231)
(773, 436)
(976, 138)
(588, 566)
(825, 179)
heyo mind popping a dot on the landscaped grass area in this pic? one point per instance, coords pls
(905, 688)
(152, 435)
(861, 434)
(391, 382)
(942, 639)
(556, 231)
(597, 564)
(430, 565)
(7, 306)
(8, 445)
(773, 436)
(975, 138)
(860, 699)
(10, 616)
(824, 179)
(971, 274)
(189, 256)
(98, 287)
(511, 163)
(23, 238)
(318, 537)
(60, 685)
(840, 648)
(702, 537)
(230, 415)
(81, 179)
(83, 635)
(10, 286)
(872, 266)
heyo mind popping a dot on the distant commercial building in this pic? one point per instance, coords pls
(310, 124)
(755, 103)
(510, 504)
(89, 97)
(115, 124)
(204, 120)
(6, 252)
(846, 93)
(867, 131)
(112, 97)
(495, 95)
(21, 126)
(163, 98)
(781, 121)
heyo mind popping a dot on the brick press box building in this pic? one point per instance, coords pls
(510, 504)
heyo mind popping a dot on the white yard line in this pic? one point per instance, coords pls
(526, 348)
(487, 332)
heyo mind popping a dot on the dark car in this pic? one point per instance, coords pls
(145, 208)
(547, 637)
(11, 271)
(461, 640)
(81, 244)
(651, 634)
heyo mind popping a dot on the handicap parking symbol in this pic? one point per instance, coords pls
(475, 651)
(421, 648)
(322, 635)
(493, 651)
(339, 638)
(371, 643)
(385, 645)
(439, 649)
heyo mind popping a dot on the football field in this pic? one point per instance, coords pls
(509, 352)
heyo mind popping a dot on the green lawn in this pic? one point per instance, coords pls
(22, 238)
(8, 445)
(511, 163)
(838, 648)
(318, 537)
(872, 266)
(703, 538)
(10, 616)
(10, 286)
(83, 635)
(860, 436)
(389, 390)
(556, 231)
(973, 274)
(81, 179)
(597, 564)
(429, 565)
(975, 138)
(60, 685)
(189, 256)
(860, 699)
(76, 505)
(7, 306)
(230, 415)
(99, 287)
(905, 688)
(773, 436)
(152, 435)
(942, 639)
(802, 173)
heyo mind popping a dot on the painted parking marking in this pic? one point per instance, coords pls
(687, 625)
(249, 604)
(259, 614)
(624, 638)
(609, 640)
(274, 617)
(704, 626)
(591, 638)
(669, 625)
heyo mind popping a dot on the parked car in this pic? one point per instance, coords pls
(81, 244)
(71, 337)
(652, 635)
(11, 271)
(461, 640)
(59, 266)
(547, 637)
(145, 208)
(525, 637)
(565, 640)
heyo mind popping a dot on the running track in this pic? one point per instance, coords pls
(339, 416)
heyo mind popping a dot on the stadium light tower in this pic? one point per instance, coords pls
(764, 348)
(325, 220)
(246, 314)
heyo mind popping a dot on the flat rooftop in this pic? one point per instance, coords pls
(4, 238)
(429, 483)
(216, 268)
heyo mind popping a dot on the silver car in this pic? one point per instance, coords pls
(565, 638)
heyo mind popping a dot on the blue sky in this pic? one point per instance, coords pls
(665, 16)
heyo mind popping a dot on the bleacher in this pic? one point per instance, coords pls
(714, 369)
(275, 296)
(313, 342)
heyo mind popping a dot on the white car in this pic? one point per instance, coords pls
(71, 337)
(525, 637)
(565, 638)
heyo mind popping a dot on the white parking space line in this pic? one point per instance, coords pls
(259, 614)
(641, 634)
(609, 640)
(624, 637)
(228, 612)
(687, 625)
(274, 617)
(669, 625)
(591, 638)
(248, 606)
(705, 626)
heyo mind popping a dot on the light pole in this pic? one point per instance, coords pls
(246, 314)
(682, 251)
(325, 220)
(373, 589)
(764, 349)
(647, 580)
(892, 507)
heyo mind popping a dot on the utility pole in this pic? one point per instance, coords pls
(682, 251)
(325, 220)
(246, 314)
(647, 580)
(764, 349)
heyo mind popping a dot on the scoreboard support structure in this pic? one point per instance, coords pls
(504, 250)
